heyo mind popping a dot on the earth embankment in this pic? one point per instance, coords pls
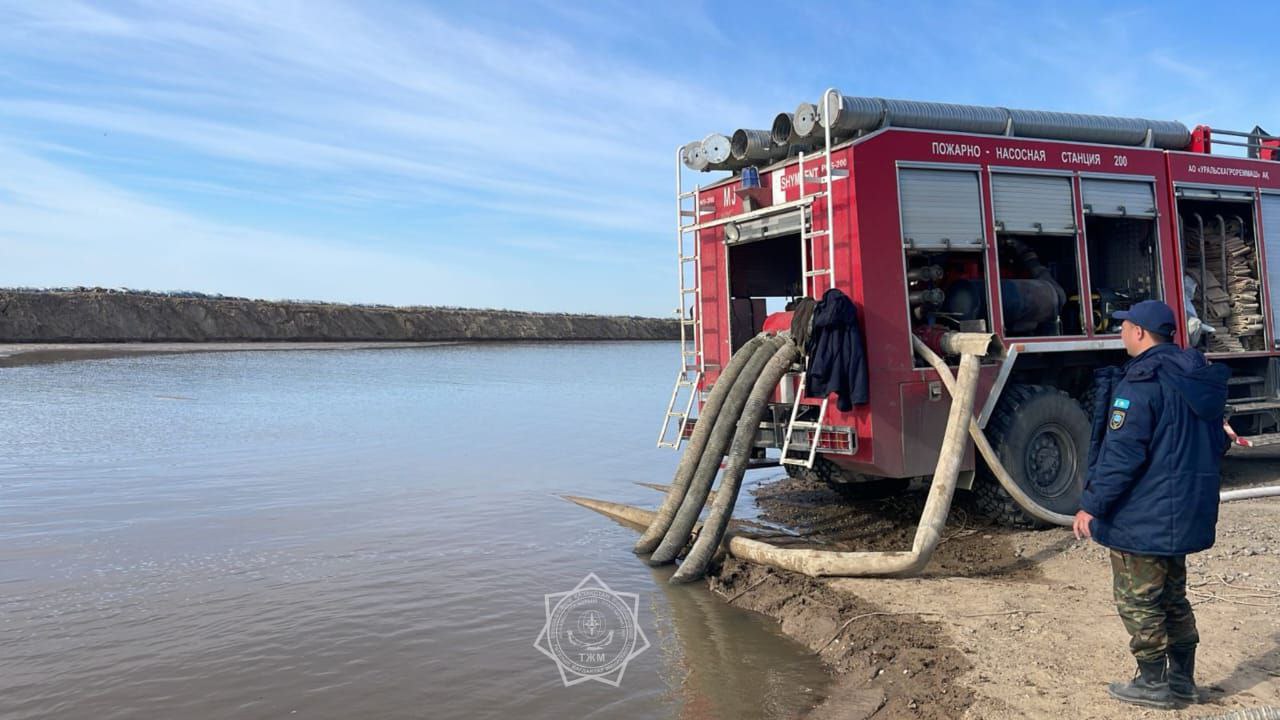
(98, 316)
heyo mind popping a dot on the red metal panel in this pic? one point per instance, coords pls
(1082, 250)
(714, 306)
(869, 254)
(1197, 169)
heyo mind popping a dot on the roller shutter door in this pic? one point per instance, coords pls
(1118, 198)
(1033, 204)
(1271, 237)
(940, 209)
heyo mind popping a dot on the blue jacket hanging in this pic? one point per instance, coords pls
(837, 355)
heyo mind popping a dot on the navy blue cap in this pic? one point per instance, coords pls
(1151, 315)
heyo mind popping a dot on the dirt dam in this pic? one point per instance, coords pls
(94, 315)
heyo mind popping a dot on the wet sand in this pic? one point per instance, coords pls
(1008, 623)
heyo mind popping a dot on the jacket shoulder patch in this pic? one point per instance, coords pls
(1121, 403)
(1117, 419)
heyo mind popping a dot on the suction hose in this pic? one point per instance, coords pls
(677, 535)
(648, 542)
(704, 549)
(817, 563)
(984, 446)
(1006, 481)
(1259, 713)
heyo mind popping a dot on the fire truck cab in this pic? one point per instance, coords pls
(934, 218)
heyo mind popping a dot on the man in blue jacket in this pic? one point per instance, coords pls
(1152, 494)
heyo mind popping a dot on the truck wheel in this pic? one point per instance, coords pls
(1042, 437)
(823, 471)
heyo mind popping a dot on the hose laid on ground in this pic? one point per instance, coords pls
(817, 563)
(1249, 493)
(677, 535)
(704, 549)
(1006, 481)
(648, 542)
(1261, 713)
(984, 446)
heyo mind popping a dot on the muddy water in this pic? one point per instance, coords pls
(347, 534)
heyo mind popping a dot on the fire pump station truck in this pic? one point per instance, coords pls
(934, 218)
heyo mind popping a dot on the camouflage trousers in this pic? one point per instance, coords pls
(1151, 596)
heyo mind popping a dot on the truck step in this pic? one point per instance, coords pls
(1253, 406)
(1257, 441)
(1246, 380)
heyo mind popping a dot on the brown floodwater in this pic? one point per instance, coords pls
(348, 534)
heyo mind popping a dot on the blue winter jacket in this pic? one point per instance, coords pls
(1154, 464)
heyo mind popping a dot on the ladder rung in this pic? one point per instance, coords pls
(805, 425)
(813, 233)
(816, 273)
(690, 193)
(688, 213)
(687, 258)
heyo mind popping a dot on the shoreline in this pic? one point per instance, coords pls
(1005, 623)
(28, 354)
(92, 316)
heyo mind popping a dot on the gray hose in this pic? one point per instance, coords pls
(695, 498)
(704, 549)
(693, 449)
(1260, 713)
(818, 563)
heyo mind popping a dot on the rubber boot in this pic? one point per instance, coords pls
(1182, 670)
(1148, 687)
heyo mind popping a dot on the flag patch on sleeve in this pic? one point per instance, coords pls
(1121, 403)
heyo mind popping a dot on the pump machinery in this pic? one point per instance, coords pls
(947, 222)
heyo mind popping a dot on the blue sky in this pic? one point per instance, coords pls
(498, 154)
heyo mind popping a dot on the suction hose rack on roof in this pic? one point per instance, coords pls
(803, 130)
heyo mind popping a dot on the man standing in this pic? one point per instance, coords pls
(1152, 494)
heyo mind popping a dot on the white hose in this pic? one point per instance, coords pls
(1006, 481)
(1249, 493)
(817, 563)
(989, 453)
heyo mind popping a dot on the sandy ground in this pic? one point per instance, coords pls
(14, 354)
(1007, 623)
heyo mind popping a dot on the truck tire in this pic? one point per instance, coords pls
(823, 471)
(1042, 438)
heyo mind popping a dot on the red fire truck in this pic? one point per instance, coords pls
(931, 217)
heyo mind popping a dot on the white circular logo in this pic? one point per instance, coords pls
(591, 632)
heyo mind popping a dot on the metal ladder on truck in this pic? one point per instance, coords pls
(809, 285)
(692, 359)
